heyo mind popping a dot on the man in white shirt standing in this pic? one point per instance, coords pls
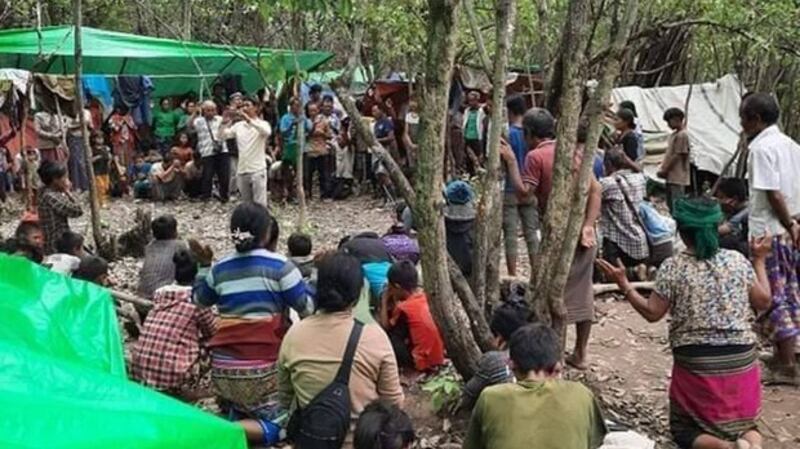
(251, 134)
(775, 202)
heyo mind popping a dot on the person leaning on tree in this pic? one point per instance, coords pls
(536, 179)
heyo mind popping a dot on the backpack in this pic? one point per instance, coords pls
(325, 421)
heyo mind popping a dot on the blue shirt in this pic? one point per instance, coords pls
(516, 138)
(383, 127)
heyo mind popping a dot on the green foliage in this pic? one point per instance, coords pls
(445, 390)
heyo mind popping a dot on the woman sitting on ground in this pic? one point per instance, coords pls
(383, 425)
(313, 349)
(253, 290)
(715, 394)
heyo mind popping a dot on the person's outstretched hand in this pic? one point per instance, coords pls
(615, 273)
(202, 253)
(761, 247)
(588, 237)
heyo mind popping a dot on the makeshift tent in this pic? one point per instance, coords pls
(178, 66)
(62, 374)
(713, 118)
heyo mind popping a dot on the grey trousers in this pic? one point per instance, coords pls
(515, 212)
(253, 187)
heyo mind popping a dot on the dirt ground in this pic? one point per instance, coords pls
(630, 361)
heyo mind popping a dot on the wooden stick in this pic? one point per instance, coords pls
(133, 299)
(600, 289)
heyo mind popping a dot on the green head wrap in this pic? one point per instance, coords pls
(699, 218)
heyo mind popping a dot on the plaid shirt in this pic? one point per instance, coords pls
(55, 210)
(617, 221)
(169, 346)
(205, 139)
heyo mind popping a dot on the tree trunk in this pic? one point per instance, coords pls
(187, 20)
(301, 129)
(97, 231)
(549, 275)
(485, 278)
(428, 208)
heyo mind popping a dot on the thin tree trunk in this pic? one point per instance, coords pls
(301, 130)
(440, 54)
(543, 15)
(549, 275)
(489, 216)
(187, 20)
(469, 8)
(97, 231)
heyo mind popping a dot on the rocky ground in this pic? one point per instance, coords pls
(630, 363)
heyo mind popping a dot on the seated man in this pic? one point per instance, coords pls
(300, 247)
(69, 251)
(732, 197)
(92, 269)
(167, 178)
(493, 367)
(405, 315)
(157, 269)
(540, 410)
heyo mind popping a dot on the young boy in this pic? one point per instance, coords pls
(493, 366)
(732, 196)
(101, 161)
(140, 172)
(675, 168)
(67, 259)
(540, 410)
(28, 242)
(56, 204)
(157, 269)
(167, 355)
(300, 253)
(93, 269)
(407, 319)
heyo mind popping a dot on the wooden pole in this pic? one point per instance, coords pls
(87, 149)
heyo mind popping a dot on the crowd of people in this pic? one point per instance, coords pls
(285, 333)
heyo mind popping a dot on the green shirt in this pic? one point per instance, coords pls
(553, 414)
(166, 122)
(471, 132)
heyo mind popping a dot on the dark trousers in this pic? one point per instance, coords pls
(218, 165)
(322, 165)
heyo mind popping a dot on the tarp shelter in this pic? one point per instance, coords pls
(713, 118)
(62, 374)
(176, 66)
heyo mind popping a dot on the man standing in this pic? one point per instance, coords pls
(251, 134)
(211, 147)
(516, 208)
(675, 168)
(774, 202)
(474, 130)
(165, 123)
(537, 179)
(289, 144)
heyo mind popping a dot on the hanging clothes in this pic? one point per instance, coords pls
(98, 87)
(61, 85)
(134, 92)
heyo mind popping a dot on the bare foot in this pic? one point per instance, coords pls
(576, 363)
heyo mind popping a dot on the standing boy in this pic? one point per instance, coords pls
(675, 168)
(56, 204)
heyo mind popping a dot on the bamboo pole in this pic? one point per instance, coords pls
(133, 299)
(97, 231)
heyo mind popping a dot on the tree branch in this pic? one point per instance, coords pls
(476, 33)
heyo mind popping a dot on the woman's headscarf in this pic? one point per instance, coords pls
(700, 218)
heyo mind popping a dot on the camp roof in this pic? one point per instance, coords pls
(51, 50)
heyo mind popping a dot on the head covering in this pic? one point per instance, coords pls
(235, 95)
(459, 196)
(700, 218)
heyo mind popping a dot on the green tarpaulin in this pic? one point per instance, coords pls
(62, 374)
(177, 66)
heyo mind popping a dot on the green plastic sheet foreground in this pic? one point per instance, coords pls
(62, 374)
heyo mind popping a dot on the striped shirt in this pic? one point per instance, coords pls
(253, 292)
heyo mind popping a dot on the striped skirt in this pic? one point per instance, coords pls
(246, 388)
(715, 390)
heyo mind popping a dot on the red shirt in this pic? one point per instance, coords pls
(538, 170)
(427, 347)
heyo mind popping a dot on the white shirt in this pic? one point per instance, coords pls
(251, 138)
(62, 263)
(774, 166)
(208, 132)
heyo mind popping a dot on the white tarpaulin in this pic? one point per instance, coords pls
(713, 116)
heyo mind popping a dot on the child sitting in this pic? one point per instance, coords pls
(540, 410)
(69, 251)
(383, 425)
(157, 270)
(493, 366)
(300, 253)
(167, 355)
(140, 173)
(28, 242)
(93, 269)
(407, 319)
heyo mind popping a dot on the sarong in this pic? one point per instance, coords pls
(783, 268)
(247, 388)
(715, 390)
(578, 293)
